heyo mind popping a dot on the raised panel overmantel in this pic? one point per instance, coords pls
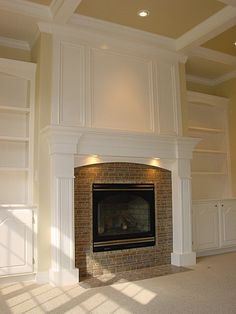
(101, 80)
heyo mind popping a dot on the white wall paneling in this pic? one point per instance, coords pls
(72, 84)
(16, 245)
(168, 99)
(121, 91)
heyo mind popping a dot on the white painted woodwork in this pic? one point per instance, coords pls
(205, 226)
(228, 222)
(72, 93)
(104, 82)
(121, 92)
(214, 226)
(16, 241)
(208, 121)
(17, 88)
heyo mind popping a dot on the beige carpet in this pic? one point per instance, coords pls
(210, 288)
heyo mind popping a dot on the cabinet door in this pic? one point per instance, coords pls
(16, 241)
(228, 223)
(205, 226)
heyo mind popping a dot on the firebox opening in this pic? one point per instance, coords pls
(123, 216)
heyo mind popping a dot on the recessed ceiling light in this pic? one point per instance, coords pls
(143, 13)
(235, 43)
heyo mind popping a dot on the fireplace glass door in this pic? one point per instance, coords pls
(123, 216)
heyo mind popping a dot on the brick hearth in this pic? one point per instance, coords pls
(93, 264)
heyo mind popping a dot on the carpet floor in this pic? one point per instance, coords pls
(207, 288)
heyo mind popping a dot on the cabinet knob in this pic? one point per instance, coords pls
(222, 205)
(215, 205)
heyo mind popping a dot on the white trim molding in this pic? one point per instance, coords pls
(208, 29)
(27, 8)
(212, 55)
(63, 11)
(67, 144)
(14, 43)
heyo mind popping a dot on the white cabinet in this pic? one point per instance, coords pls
(17, 88)
(214, 226)
(228, 223)
(16, 241)
(210, 164)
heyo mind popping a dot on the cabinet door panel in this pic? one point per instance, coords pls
(16, 241)
(228, 223)
(205, 226)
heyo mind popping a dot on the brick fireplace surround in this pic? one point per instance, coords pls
(129, 158)
(97, 263)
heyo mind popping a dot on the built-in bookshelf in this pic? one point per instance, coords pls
(211, 162)
(17, 93)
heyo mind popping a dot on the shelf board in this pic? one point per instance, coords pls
(211, 151)
(13, 169)
(14, 139)
(207, 130)
(209, 173)
(14, 109)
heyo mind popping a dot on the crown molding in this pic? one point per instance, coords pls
(211, 82)
(119, 37)
(14, 43)
(27, 8)
(121, 30)
(208, 29)
(213, 55)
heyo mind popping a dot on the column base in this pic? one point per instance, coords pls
(64, 277)
(184, 259)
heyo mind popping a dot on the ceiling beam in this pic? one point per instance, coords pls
(62, 10)
(208, 29)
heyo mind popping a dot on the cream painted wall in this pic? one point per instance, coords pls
(41, 54)
(13, 53)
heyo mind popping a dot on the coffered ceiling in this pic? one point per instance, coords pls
(205, 30)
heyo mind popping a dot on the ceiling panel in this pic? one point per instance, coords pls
(224, 42)
(170, 18)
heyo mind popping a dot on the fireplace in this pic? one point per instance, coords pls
(123, 216)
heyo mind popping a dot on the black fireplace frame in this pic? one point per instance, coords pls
(123, 241)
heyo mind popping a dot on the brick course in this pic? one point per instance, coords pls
(92, 264)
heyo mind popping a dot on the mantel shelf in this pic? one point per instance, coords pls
(14, 109)
(14, 139)
(208, 130)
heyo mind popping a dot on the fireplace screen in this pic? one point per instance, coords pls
(123, 216)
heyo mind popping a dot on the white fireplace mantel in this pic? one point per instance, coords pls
(71, 147)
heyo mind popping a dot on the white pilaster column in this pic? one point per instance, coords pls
(62, 150)
(182, 220)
